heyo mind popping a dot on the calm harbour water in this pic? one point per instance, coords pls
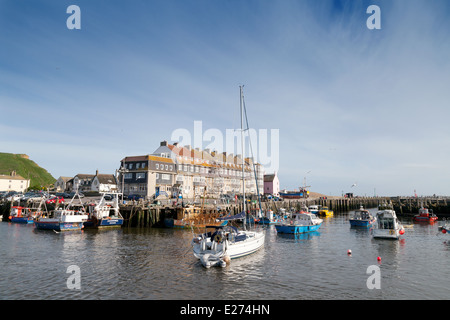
(157, 264)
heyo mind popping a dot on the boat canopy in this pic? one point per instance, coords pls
(235, 217)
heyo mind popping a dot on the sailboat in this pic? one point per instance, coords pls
(223, 243)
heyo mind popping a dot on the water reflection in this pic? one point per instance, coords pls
(152, 263)
(299, 236)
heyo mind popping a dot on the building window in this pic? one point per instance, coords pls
(157, 166)
(138, 165)
(140, 175)
(167, 167)
(128, 176)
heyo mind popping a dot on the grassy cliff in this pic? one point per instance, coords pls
(26, 168)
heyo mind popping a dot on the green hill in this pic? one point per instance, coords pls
(26, 168)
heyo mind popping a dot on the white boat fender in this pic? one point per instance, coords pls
(203, 244)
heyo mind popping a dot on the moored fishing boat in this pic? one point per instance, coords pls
(387, 225)
(193, 217)
(19, 214)
(362, 218)
(325, 212)
(63, 219)
(268, 218)
(425, 215)
(299, 222)
(105, 213)
(314, 208)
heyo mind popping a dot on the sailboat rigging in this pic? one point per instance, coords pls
(227, 242)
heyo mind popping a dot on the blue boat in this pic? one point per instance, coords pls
(269, 218)
(362, 218)
(20, 214)
(61, 220)
(105, 214)
(300, 222)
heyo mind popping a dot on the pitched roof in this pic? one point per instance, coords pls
(15, 177)
(106, 179)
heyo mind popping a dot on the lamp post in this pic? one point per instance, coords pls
(122, 171)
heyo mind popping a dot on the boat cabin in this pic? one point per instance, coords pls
(362, 214)
(386, 219)
(18, 211)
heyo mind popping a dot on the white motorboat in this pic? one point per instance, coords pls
(387, 225)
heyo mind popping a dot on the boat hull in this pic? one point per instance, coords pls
(22, 220)
(361, 223)
(386, 234)
(267, 221)
(104, 223)
(244, 248)
(254, 242)
(58, 226)
(293, 229)
(424, 219)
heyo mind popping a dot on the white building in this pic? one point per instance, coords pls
(14, 182)
(61, 185)
(104, 183)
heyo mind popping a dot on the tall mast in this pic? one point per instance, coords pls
(242, 147)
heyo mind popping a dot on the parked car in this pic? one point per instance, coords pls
(32, 196)
(14, 197)
(72, 194)
(108, 197)
(54, 199)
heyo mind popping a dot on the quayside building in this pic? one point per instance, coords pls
(182, 172)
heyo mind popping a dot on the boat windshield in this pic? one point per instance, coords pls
(386, 223)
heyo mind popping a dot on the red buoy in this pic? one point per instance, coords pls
(379, 258)
(444, 231)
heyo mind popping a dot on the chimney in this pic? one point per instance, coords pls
(96, 172)
(163, 143)
(176, 144)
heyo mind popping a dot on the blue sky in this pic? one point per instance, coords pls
(351, 104)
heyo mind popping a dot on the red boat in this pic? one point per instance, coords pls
(425, 215)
